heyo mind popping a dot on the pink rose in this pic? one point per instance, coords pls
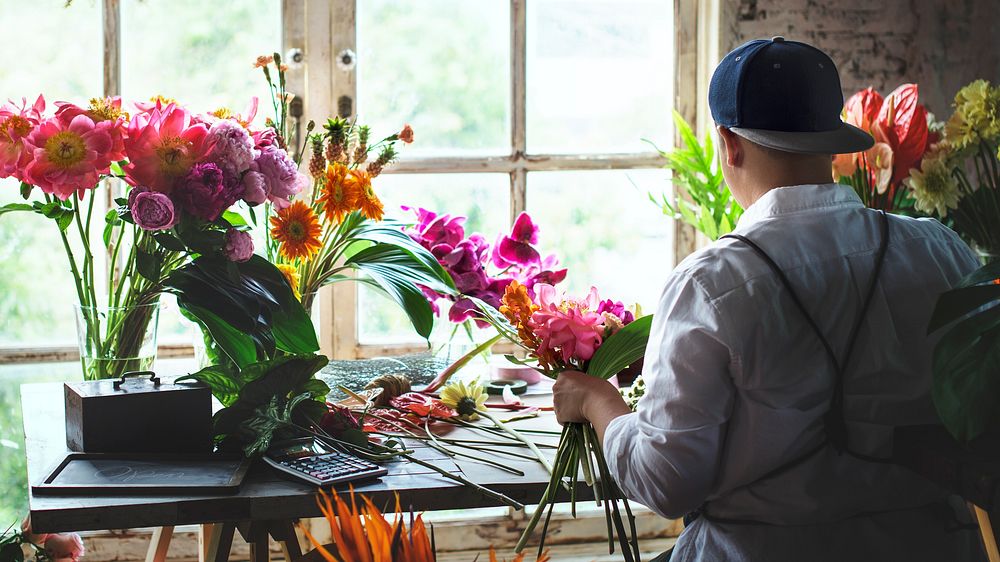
(239, 245)
(38, 539)
(151, 210)
(65, 547)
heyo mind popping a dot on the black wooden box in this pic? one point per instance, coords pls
(138, 415)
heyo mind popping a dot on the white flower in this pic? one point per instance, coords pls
(934, 187)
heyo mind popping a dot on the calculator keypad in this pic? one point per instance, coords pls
(332, 468)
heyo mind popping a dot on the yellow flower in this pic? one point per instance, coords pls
(934, 187)
(292, 276)
(466, 399)
(977, 115)
(338, 196)
(297, 230)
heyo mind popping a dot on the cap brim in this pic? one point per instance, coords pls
(843, 140)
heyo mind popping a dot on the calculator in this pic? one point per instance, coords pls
(314, 462)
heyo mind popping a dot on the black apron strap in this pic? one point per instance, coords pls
(834, 423)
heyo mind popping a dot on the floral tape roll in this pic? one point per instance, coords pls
(508, 371)
(495, 388)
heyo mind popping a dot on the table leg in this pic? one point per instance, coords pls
(258, 545)
(986, 532)
(221, 543)
(284, 533)
(159, 543)
(204, 540)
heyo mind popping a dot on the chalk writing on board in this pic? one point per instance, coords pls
(126, 474)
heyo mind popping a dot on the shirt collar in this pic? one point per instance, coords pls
(798, 198)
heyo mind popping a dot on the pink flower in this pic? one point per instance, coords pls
(232, 148)
(64, 547)
(163, 145)
(406, 135)
(264, 137)
(203, 192)
(572, 328)
(254, 188)
(69, 157)
(100, 110)
(517, 248)
(30, 536)
(238, 246)
(151, 210)
(282, 179)
(880, 166)
(15, 125)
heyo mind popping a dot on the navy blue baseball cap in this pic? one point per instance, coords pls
(783, 95)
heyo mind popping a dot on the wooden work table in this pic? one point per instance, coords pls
(267, 502)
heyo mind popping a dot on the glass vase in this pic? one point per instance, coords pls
(115, 340)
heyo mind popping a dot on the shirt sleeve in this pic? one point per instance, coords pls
(666, 454)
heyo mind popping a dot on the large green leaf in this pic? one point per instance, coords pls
(988, 273)
(956, 303)
(224, 383)
(966, 382)
(237, 345)
(245, 300)
(621, 349)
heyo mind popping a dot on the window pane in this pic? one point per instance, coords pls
(605, 231)
(36, 288)
(483, 198)
(198, 52)
(440, 65)
(599, 75)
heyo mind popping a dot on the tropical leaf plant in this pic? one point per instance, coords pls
(700, 197)
(966, 385)
(248, 308)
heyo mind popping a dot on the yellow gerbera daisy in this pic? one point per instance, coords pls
(338, 196)
(291, 274)
(297, 230)
(465, 398)
(369, 203)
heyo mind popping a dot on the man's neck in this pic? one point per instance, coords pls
(759, 188)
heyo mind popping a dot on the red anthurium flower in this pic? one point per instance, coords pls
(902, 124)
(421, 405)
(862, 108)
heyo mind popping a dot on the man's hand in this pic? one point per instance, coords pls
(578, 397)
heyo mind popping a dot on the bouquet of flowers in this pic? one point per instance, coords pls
(595, 336)
(172, 231)
(901, 127)
(514, 257)
(337, 227)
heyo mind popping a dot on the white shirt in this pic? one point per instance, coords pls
(737, 382)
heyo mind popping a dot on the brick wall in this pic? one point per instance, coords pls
(939, 44)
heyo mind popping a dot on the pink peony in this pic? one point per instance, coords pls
(100, 110)
(239, 245)
(254, 188)
(572, 328)
(15, 125)
(282, 178)
(203, 192)
(64, 547)
(232, 148)
(69, 157)
(163, 145)
(151, 210)
(264, 137)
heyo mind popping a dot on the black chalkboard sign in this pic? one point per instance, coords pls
(92, 474)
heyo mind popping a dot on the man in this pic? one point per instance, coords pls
(780, 360)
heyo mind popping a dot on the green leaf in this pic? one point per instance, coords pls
(116, 169)
(14, 207)
(26, 190)
(234, 218)
(236, 344)
(956, 303)
(224, 383)
(621, 349)
(965, 384)
(168, 241)
(148, 265)
(986, 274)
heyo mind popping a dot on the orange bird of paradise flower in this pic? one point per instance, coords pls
(297, 230)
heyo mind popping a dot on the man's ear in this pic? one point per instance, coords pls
(733, 144)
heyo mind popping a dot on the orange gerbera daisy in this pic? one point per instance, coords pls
(369, 203)
(338, 196)
(297, 230)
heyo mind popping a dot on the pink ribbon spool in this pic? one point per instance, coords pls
(512, 371)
